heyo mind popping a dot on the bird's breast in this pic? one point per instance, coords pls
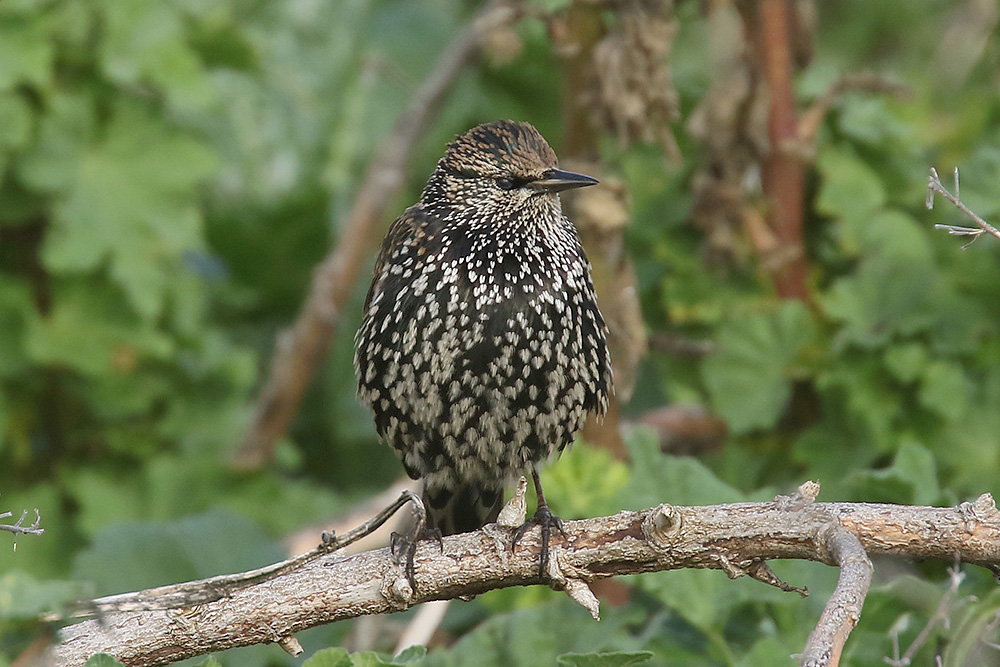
(490, 270)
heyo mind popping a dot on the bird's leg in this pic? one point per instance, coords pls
(404, 546)
(545, 520)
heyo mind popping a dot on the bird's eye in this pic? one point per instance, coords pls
(505, 183)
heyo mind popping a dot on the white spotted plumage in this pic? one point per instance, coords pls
(482, 349)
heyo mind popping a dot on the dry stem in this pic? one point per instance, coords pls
(934, 186)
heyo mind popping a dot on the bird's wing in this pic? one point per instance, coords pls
(405, 227)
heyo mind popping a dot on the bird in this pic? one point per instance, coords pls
(482, 349)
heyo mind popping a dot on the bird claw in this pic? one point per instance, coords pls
(545, 520)
(404, 548)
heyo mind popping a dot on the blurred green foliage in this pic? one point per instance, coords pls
(170, 173)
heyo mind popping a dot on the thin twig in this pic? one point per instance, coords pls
(940, 616)
(934, 186)
(204, 591)
(298, 351)
(18, 527)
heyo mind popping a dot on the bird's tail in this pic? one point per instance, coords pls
(461, 509)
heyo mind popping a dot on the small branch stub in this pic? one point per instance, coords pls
(661, 526)
(291, 646)
(763, 573)
(584, 596)
(983, 508)
(806, 494)
(515, 511)
(399, 591)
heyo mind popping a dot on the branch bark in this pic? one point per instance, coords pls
(298, 351)
(737, 538)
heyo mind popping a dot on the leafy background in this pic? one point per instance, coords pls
(170, 174)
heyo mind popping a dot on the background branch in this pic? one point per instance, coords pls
(783, 170)
(298, 351)
(737, 538)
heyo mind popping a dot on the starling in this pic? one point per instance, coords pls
(482, 349)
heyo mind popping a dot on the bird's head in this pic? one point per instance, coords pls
(504, 164)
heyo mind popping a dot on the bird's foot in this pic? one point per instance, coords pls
(404, 547)
(545, 520)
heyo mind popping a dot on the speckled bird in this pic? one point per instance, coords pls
(482, 350)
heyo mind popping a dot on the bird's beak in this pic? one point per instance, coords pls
(557, 180)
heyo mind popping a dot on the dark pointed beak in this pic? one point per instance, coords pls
(557, 180)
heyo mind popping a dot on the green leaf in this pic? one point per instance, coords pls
(91, 330)
(882, 298)
(16, 311)
(906, 362)
(887, 235)
(768, 651)
(703, 598)
(25, 53)
(659, 478)
(64, 134)
(24, 597)
(870, 408)
(133, 556)
(105, 499)
(850, 190)
(748, 379)
(136, 208)
(15, 130)
(3, 420)
(550, 6)
(610, 659)
(413, 654)
(536, 636)
(102, 660)
(944, 390)
(584, 482)
(146, 42)
(866, 119)
(371, 659)
(210, 662)
(911, 479)
(329, 657)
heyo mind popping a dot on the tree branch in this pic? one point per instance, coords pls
(843, 609)
(940, 617)
(298, 351)
(737, 538)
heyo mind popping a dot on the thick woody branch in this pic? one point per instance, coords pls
(298, 350)
(737, 538)
(843, 609)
